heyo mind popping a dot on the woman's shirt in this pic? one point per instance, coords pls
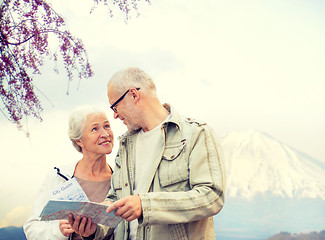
(95, 191)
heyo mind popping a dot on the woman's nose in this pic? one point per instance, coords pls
(104, 133)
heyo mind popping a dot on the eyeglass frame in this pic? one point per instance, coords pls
(120, 99)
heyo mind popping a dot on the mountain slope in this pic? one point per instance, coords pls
(12, 233)
(300, 236)
(258, 163)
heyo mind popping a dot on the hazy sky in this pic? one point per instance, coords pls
(236, 64)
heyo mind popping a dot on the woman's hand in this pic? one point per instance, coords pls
(65, 227)
(82, 226)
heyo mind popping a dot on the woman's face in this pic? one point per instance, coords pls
(97, 135)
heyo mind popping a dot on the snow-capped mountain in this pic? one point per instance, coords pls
(258, 163)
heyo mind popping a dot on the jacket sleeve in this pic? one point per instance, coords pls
(34, 228)
(204, 193)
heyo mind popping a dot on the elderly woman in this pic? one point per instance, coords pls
(91, 134)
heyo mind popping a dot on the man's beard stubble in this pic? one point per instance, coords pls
(132, 118)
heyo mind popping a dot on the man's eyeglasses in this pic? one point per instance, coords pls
(119, 100)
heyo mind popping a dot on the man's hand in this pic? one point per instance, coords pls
(82, 226)
(65, 227)
(128, 208)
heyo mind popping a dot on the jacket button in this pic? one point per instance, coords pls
(172, 156)
(126, 184)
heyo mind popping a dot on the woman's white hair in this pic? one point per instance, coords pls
(77, 121)
(132, 77)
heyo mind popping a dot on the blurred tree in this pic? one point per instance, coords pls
(26, 26)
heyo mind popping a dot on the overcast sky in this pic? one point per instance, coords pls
(235, 64)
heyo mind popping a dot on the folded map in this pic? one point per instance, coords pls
(60, 209)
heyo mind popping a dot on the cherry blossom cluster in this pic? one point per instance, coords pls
(26, 27)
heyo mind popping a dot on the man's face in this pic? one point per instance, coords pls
(125, 109)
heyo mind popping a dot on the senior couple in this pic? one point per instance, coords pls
(169, 175)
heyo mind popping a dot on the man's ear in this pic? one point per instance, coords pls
(135, 94)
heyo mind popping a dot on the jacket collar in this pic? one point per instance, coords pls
(175, 117)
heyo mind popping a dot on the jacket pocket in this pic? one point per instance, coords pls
(178, 231)
(173, 170)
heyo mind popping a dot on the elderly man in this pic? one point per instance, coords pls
(169, 176)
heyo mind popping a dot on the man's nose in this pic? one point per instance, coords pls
(115, 115)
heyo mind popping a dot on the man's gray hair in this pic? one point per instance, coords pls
(77, 121)
(132, 77)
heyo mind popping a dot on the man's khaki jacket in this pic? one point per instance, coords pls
(186, 185)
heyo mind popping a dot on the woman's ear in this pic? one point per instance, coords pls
(79, 142)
